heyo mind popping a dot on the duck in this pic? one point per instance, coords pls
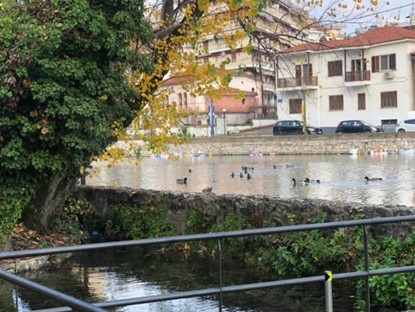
(307, 180)
(248, 176)
(182, 181)
(207, 189)
(373, 179)
(232, 174)
(245, 169)
(241, 175)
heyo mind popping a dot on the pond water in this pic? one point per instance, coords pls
(130, 273)
(341, 176)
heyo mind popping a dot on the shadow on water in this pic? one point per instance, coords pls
(128, 273)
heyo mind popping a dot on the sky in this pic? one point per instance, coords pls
(390, 11)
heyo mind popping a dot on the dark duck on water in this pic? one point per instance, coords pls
(182, 181)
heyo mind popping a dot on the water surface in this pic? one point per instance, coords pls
(341, 176)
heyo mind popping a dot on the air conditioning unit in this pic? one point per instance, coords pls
(389, 75)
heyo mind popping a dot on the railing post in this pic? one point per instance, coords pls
(16, 288)
(367, 281)
(220, 274)
(328, 278)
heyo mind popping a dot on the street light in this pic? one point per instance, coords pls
(224, 121)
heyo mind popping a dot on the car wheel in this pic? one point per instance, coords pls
(339, 132)
(401, 130)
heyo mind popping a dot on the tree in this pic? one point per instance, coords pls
(63, 97)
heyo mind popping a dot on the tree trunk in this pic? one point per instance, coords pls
(37, 215)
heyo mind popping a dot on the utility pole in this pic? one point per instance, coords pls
(212, 117)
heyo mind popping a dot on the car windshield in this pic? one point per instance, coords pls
(367, 123)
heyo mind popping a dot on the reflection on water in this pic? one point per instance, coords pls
(130, 273)
(342, 176)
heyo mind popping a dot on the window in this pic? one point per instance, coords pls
(180, 99)
(185, 99)
(361, 101)
(358, 65)
(303, 74)
(295, 106)
(388, 99)
(383, 62)
(308, 70)
(335, 68)
(335, 102)
(388, 62)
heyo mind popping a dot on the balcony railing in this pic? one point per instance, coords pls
(310, 81)
(362, 75)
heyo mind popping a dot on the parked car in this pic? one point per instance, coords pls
(405, 126)
(356, 126)
(293, 127)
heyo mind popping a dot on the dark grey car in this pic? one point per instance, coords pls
(293, 127)
(356, 126)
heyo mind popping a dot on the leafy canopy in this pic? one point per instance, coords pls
(64, 92)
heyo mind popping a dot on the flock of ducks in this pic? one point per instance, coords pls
(246, 172)
(207, 189)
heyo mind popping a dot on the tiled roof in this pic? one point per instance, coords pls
(372, 37)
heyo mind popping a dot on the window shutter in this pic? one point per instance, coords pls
(392, 61)
(375, 64)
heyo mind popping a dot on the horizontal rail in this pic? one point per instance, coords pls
(83, 306)
(237, 288)
(50, 293)
(202, 237)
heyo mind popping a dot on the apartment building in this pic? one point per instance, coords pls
(278, 27)
(369, 77)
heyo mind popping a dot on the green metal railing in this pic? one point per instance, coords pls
(73, 303)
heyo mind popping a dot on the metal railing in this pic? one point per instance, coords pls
(298, 82)
(361, 75)
(79, 305)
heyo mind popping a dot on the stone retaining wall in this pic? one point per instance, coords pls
(262, 210)
(299, 145)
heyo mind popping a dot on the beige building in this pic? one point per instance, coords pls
(252, 90)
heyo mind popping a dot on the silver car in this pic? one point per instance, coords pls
(406, 126)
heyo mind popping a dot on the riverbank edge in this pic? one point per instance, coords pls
(265, 210)
(360, 144)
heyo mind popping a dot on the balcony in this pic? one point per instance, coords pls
(357, 78)
(298, 83)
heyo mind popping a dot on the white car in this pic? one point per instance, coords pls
(406, 126)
